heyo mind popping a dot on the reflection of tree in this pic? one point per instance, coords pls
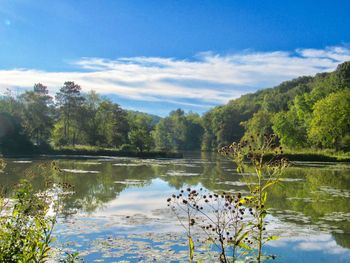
(214, 173)
(342, 239)
(303, 191)
(321, 194)
(92, 191)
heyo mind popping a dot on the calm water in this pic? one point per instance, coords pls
(117, 211)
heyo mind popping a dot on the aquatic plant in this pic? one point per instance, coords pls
(233, 223)
(71, 258)
(252, 153)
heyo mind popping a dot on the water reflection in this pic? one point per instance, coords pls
(127, 196)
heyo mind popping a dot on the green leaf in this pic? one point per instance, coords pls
(264, 197)
(244, 245)
(242, 236)
(270, 184)
(191, 246)
(272, 238)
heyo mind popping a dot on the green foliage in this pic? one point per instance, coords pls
(292, 110)
(2, 165)
(69, 102)
(163, 135)
(260, 124)
(71, 258)
(141, 139)
(97, 122)
(140, 135)
(267, 174)
(37, 114)
(286, 109)
(222, 125)
(112, 124)
(330, 122)
(194, 132)
(90, 124)
(290, 130)
(10, 105)
(179, 131)
(27, 220)
(221, 219)
(13, 139)
(128, 148)
(234, 224)
(191, 248)
(25, 230)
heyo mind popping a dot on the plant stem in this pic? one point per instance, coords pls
(260, 219)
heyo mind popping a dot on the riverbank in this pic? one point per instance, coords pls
(94, 152)
(316, 155)
(85, 152)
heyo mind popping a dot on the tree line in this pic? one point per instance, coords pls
(307, 112)
(35, 119)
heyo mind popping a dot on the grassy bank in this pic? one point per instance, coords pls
(83, 150)
(313, 155)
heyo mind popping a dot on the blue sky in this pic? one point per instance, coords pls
(159, 55)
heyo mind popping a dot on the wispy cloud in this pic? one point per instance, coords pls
(209, 78)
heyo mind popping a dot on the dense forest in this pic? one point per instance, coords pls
(307, 112)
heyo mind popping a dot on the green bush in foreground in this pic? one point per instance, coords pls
(27, 220)
(25, 230)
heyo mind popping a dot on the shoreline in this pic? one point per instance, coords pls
(92, 154)
(308, 157)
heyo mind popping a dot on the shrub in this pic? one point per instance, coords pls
(26, 225)
(25, 228)
(235, 224)
(128, 148)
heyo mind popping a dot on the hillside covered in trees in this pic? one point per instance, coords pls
(307, 112)
(304, 112)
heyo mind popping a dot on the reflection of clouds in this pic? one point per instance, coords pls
(181, 173)
(143, 210)
(77, 171)
(129, 164)
(138, 200)
(330, 246)
(306, 238)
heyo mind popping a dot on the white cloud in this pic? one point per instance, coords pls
(330, 246)
(169, 79)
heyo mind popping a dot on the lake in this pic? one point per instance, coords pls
(116, 210)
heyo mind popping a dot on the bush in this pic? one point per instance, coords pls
(26, 226)
(25, 229)
(128, 148)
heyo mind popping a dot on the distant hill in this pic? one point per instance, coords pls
(155, 118)
(295, 99)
